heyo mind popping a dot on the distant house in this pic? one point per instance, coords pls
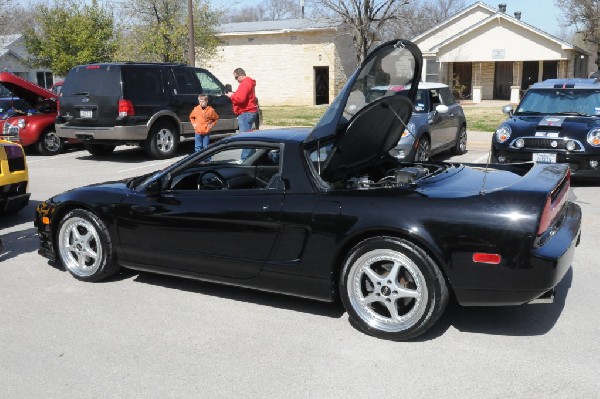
(13, 56)
(295, 61)
(495, 55)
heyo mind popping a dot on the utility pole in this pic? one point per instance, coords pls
(302, 6)
(191, 48)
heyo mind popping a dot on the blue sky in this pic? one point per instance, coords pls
(540, 13)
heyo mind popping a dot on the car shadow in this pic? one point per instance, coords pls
(19, 242)
(240, 294)
(523, 320)
(23, 216)
(133, 154)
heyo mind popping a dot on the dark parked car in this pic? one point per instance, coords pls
(557, 121)
(437, 125)
(328, 213)
(105, 105)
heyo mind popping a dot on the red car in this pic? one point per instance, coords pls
(36, 126)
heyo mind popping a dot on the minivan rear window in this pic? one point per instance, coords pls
(96, 80)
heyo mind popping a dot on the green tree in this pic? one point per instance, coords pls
(66, 33)
(158, 31)
(585, 16)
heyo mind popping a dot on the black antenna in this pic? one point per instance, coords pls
(485, 172)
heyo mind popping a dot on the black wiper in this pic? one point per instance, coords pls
(527, 113)
(82, 93)
(573, 113)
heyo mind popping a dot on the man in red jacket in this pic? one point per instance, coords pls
(244, 101)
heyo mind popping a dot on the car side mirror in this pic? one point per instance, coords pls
(228, 88)
(154, 188)
(507, 109)
(442, 109)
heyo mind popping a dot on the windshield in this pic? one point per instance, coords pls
(561, 101)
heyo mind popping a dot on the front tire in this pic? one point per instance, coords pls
(162, 141)
(423, 150)
(461, 141)
(392, 289)
(85, 247)
(49, 143)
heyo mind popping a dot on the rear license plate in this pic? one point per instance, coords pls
(85, 113)
(544, 158)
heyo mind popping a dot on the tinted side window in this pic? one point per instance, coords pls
(210, 84)
(186, 81)
(447, 96)
(143, 84)
(434, 96)
(99, 80)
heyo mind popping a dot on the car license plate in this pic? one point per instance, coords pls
(85, 113)
(544, 158)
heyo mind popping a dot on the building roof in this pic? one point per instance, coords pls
(7, 40)
(285, 25)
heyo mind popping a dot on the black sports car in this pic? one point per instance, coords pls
(328, 213)
(558, 120)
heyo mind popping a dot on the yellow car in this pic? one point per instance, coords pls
(14, 178)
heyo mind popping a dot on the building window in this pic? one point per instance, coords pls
(250, 39)
(432, 71)
(44, 79)
(293, 38)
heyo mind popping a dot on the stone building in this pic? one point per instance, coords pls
(295, 61)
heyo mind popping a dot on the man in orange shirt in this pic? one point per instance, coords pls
(203, 118)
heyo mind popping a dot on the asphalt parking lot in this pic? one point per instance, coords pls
(142, 335)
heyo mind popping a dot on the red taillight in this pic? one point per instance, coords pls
(554, 204)
(126, 108)
(492, 259)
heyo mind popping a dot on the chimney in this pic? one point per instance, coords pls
(502, 7)
(518, 15)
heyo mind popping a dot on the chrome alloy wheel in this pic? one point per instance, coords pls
(422, 153)
(387, 290)
(79, 247)
(51, 142)
(462, 140)
(165, 140)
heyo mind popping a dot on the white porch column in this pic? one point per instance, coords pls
(515, 94)
(477, 94)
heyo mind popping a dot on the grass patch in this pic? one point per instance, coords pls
(486, 119)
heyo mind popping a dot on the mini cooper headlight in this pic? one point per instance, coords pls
(593, 137)
(409, 131)
(503, 133)
(21, 123)
(571, 145)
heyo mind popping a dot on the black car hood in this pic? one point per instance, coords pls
(571, 124)
(363, 130)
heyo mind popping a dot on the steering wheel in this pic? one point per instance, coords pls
(212, 180)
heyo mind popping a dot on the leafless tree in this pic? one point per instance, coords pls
(585, 16)
(366, 19)
(268, 10)
(420, 16)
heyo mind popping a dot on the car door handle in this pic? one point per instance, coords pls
(142, 210)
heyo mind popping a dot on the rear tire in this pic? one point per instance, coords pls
(162, 141)
(49, 143)
(392, 289)
(99, 150)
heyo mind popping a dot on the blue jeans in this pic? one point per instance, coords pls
(200, 141)
(246, 120)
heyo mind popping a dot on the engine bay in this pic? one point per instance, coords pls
(395, 177)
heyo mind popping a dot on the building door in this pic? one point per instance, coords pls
(321, 85)
(463, 73)
(550, 70)
(530, 74)
(503, 80)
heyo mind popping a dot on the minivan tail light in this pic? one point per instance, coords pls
(554, 203)
(126, 108)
